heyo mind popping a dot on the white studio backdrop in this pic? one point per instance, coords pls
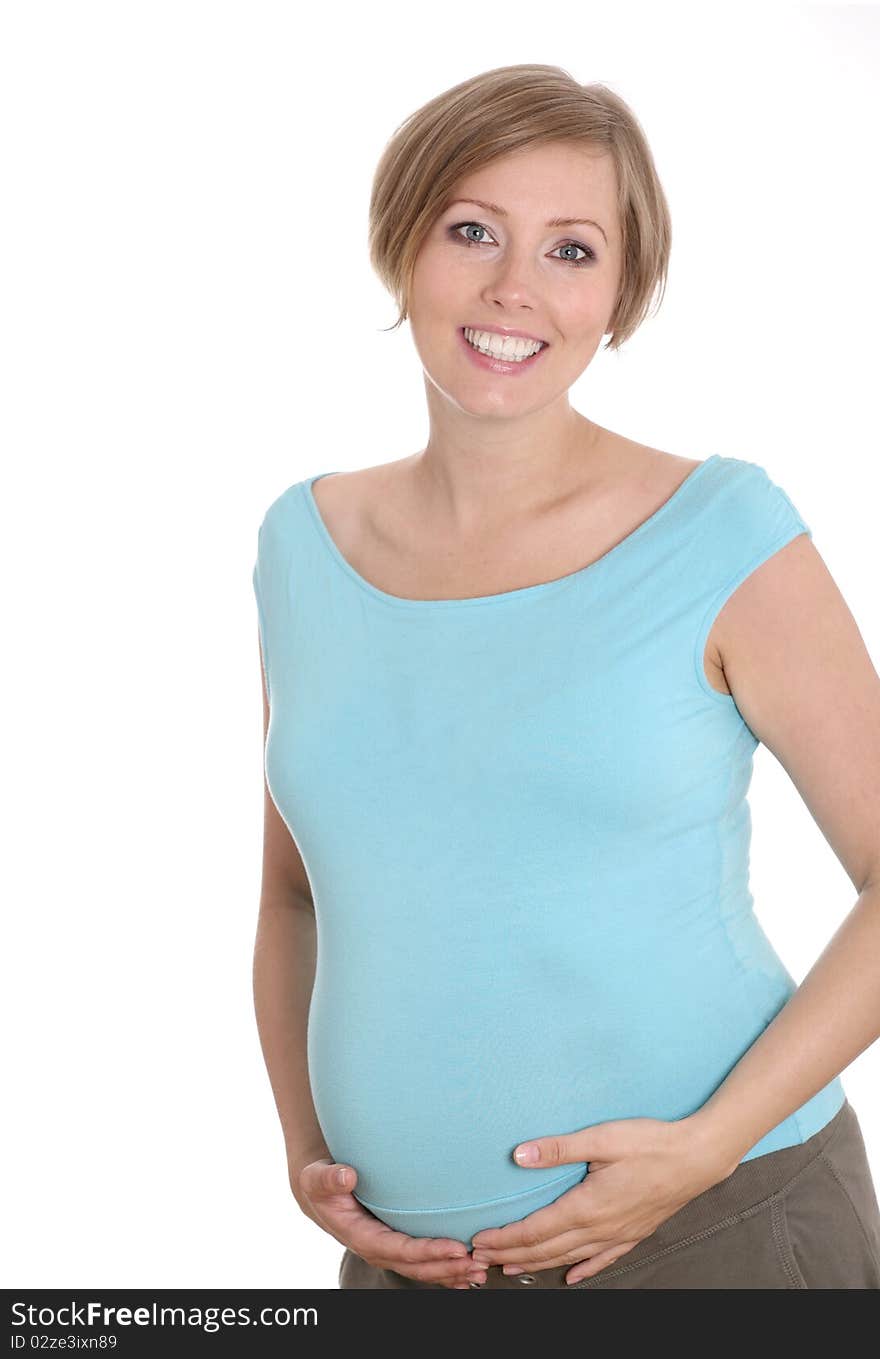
(189, 325)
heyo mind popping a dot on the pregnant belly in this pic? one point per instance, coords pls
(425, 1081)
(431, 1126)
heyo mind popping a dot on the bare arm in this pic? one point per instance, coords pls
(805, 683)
(283, 977)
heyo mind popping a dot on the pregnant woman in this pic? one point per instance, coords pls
(513, 685)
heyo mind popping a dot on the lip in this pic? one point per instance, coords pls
(492, 365)
(508, 330)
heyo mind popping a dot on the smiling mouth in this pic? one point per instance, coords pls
(489, 353)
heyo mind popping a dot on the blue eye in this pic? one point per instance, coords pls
(567, 245)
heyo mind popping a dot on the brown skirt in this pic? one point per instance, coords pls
(802, 1217)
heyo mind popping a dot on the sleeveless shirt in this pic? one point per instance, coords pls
(525, 824)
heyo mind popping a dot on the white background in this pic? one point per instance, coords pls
(189, 325)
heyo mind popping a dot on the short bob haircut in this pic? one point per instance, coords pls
(489, 116)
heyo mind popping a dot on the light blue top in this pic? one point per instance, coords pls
(524, 821)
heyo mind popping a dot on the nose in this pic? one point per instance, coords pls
(512, 286)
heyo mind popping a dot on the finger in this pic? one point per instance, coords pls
(326, 1179)
(370, 1237)
(438, 1268)
(563, 1248)
(561, 1252)
(380, 1245)
(529, 1234)
(461, 1278)
(568, 1250)
(432, 1259)
(338, 1179)
(451, 1273)
(532, 1246)
(412, 1250)
(597, 1263)
(429, 1258)
(366, 1233)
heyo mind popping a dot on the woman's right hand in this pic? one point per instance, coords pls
(427, 1259)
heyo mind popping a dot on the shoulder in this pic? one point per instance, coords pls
(756, 510)
(279, 507)
(276, 534)
(346, 491)
(364, 504)
(745, 513)
(747, 479)
(743, 509)
(774, 565)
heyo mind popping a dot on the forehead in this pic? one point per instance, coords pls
(558, 179)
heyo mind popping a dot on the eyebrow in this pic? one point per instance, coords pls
(554, 221)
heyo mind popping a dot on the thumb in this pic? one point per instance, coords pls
(340, 1178)
(588, 1144)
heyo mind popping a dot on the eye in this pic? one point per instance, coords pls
(589, 253)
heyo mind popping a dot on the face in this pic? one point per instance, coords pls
(503, 267)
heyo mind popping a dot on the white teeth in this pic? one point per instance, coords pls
(502, 347)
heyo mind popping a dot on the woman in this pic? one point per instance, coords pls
(513, 687)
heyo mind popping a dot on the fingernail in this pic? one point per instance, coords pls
(340, 1177)
(527, 1154)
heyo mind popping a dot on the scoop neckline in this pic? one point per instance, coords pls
(524, 592)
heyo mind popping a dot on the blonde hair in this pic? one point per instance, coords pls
(491, 115)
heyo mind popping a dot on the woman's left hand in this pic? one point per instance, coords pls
(640, 1172)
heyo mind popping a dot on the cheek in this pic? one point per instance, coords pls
(437, 280)
(580, 324)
